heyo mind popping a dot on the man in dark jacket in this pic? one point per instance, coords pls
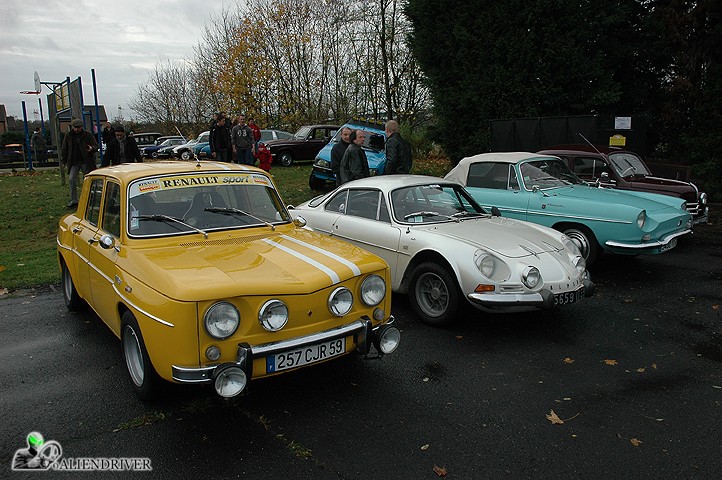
(220, 140)
(77, 151)
(398, 150)
(243, 141)
(354, 164)
(337, 153)
(122, 149)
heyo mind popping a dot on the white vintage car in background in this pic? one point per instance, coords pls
(442, 246)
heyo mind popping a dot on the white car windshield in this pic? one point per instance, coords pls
(181, 204)
(433, 203)
(547, 173)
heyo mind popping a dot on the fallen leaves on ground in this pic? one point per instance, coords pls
(635, 441)
(569, 360)
(554, 418)
(440, 471)
(611, 362)
(641, 370)
(3, 291)
(715, 306)
(425, 447)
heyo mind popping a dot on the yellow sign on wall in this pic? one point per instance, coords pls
(617, 140)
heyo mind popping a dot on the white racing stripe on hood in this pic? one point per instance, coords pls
(334, 277)
(354, 268)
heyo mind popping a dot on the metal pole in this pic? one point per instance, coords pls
(27, 139)
(97, 115)
(42, 120)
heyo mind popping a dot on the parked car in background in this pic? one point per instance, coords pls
(146, 139)
(268, 135)
(541, 189)
(444, 250)
(187, 151)
(304, 145)
(374, 145)
(202, 143)
(200, 271)
(152, 150)
(617, 168)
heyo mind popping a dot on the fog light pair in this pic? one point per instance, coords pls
(229, 380)
(387, 339)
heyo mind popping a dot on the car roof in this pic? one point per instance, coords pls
(461, 171)
(392, 182)
(581, 147)
(128, 172)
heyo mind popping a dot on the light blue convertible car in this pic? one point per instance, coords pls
(541, 189)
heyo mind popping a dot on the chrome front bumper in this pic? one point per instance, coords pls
(642, 246)
(543, 299)
(362, 329)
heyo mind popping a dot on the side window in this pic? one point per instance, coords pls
(586, 167)
(111, 209)
(364, 203)
(513, 180)
(337, 203)
(489, 175)
(92, 212)
(384, 211)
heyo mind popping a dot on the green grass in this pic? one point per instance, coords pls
(33, 203)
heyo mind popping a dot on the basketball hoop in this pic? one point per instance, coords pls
(29, 92)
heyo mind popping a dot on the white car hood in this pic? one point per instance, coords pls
(502, 236)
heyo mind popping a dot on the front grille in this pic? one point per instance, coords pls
(226, 241)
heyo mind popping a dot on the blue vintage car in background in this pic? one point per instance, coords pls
(374, 145)
(542, 189)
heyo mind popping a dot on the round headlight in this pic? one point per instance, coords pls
(484, 262)
(273, 315)
(703, 198)
(340, 301)
(221, 320)
(641, 218)
(388, 340)
(373, 290)
(531, 277)
(229, 381)
(579, 263)
(570, 245)
(684, 205)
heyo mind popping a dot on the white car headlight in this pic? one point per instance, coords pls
(221, 320)
(484, 262)
(579, 263)
(273, 315)
(703, 198)
(531, 277)
(373, 290)
(340, 301)
(642, 218)
(570, 246)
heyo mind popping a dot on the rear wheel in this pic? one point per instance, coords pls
(146, 381)
(154, 154)
(433, 294)
(585, 240)
(72, 299)
(286, 159)
(186, 155)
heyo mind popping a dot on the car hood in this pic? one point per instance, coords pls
(661, 185)
(650, 202)
(503, 236)
(298, 262)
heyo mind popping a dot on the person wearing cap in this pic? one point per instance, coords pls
(122, 149)
(77, 151)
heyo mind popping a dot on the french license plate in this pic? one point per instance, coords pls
(306, 355)
(569, 297)
(672, 243)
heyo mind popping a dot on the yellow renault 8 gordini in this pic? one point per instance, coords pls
(201, 272)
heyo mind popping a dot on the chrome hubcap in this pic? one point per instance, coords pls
(133, 355)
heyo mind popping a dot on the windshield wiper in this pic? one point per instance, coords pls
(238, 211)
(468, 214)
(429, 214)
(168, 218)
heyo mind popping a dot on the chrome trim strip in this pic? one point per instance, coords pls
(559, 215)
(266, 349)
(356, 240)
(503, 299)
(332, 275)
(639, 246)
(193, 375)
(354, 268)
(152, 317)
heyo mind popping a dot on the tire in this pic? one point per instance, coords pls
(73, 302)
(186, 155)
(286, 159)
(433, 294)
(145, 380)
(585, 240)
(315, 183)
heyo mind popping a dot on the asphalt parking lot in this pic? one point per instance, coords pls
(626, 384)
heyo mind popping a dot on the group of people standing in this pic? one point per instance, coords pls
(348, 158)
(237, 142)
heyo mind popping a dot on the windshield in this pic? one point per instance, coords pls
(302, 133)
(627, 164)
(180, 204)
(547, 173)
(433, 203)
(373, 141)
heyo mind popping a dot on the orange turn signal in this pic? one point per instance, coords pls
(484, 288)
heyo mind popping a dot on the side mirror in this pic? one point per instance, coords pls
(299, 222)
(107, 242)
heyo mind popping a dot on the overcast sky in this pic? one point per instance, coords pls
(121, 40)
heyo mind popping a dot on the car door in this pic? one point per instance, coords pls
(103, 260)
(317, 138)
(84, 234)
(365, 222)
(495, 184)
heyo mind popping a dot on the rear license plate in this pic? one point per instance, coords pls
(672, 243)
(305, 355)
(569, 297)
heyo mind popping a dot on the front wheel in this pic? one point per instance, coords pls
(186, 155)
(433, 294)
(154, 154)
(73, 302)
(286, 159)
(315, 183)
(146, 381)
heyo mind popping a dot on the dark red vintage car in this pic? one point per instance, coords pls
(617, 168)
(304, 145)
